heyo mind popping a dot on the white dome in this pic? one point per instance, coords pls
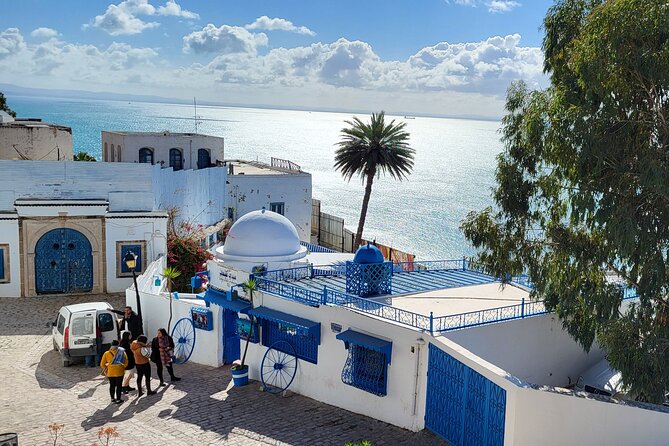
(262, 235)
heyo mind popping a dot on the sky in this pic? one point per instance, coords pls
(444, 57)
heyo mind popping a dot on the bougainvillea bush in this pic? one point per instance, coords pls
(185, 253)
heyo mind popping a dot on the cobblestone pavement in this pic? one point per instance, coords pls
(202, 409)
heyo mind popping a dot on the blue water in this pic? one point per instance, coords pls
(453, 173)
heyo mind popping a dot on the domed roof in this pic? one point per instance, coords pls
(264, 235)
(368, 254)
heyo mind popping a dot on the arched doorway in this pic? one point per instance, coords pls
(63, 262)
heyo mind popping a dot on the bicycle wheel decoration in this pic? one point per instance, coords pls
(278, 368)
(183, 335)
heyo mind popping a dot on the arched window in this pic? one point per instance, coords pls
(118, 153)
(105, 155)
(203, 158)
(146, 155)
(176, 159)
(112, 153)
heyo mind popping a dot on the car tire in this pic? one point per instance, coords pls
(66, 363)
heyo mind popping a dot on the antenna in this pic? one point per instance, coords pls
(195, 116)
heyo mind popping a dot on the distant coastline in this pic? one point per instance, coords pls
(19, 91)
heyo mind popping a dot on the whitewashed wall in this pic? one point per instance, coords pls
(69, 180)
(153, 230)
(550, 419)
(536, 349)
(247, 193)
(198, 194)
(35, 141)
(161, 143)
(9, 234)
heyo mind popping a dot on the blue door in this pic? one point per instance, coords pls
(463, 406)
(63, 263)
(231, 350)
(203, 159)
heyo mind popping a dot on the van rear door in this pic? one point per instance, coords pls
(82, 333)
(108, 328)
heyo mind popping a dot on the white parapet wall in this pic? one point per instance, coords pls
(10, 280)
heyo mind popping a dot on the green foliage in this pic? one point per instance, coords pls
(362, 443)
(84, 156)
(582, 184)
(170, 274)
(185, 253)
(5, 107)
(369, 149)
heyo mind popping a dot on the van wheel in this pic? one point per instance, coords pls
(66, 363)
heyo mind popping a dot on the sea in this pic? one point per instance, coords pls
(453, 174)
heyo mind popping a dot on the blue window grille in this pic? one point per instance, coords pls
(366, 370)
(242, 330)
(366, 366)
(203, 158)
(278, 207)
(137, 250)
(304, 343)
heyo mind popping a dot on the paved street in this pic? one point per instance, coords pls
(201, 409)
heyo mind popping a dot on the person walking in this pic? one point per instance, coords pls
(141, 353)
(131, 321)
(113, 364)
(130, 368)
(162, 347)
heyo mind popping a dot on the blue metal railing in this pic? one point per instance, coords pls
(430, 265)
(316, 248)
(299, 273)
(293, 292)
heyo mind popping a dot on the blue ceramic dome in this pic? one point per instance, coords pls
(367, 254)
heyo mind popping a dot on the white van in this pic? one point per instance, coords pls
(76, 325)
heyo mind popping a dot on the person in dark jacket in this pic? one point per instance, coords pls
(130, 368)
(162, 348)
(130, 322)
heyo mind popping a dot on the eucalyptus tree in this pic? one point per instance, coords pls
(582, 193)
(369, 149)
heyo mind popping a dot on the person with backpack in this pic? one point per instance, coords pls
(141, 353)
(162, 348)
(130, 368)
(113, 365)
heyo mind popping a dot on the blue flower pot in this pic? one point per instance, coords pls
(240, 377)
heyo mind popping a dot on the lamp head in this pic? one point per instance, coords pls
(130, 260)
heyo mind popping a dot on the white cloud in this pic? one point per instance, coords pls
(11, 42)
(44, 33)
(172, 8)
(121, 19)
(224, 40)
(502, 5)
(494, 6)
(276, 24)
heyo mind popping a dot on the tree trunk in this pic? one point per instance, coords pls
(363, 211)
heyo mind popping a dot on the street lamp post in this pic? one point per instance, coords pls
(130, 260)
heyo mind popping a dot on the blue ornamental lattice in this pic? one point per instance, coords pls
(371, 279)
(365, 369)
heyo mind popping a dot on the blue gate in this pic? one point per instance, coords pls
(462, 406)
(231, 348)
(63, 262)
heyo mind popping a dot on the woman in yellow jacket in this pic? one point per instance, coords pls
(113, 364)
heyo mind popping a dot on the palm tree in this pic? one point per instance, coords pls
(249, 286)
(170, 274)
(371, 149)
(83, 156)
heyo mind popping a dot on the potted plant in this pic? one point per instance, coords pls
(169, 274)
(240, 372)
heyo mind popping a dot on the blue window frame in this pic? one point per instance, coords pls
(278, 207)
(305, 344)
(366, 366)
(146, 155)
(176, 159)
(137, 248)
(4, 270)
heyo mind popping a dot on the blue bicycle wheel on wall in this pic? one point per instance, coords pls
(183, 335)
(278, 367)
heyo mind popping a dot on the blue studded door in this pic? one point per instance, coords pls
(462, 406)
(63, 263)
(231, 341)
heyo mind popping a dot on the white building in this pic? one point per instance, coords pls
(176, 150)
(32, 139)
(66, 226)
(422, 345)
